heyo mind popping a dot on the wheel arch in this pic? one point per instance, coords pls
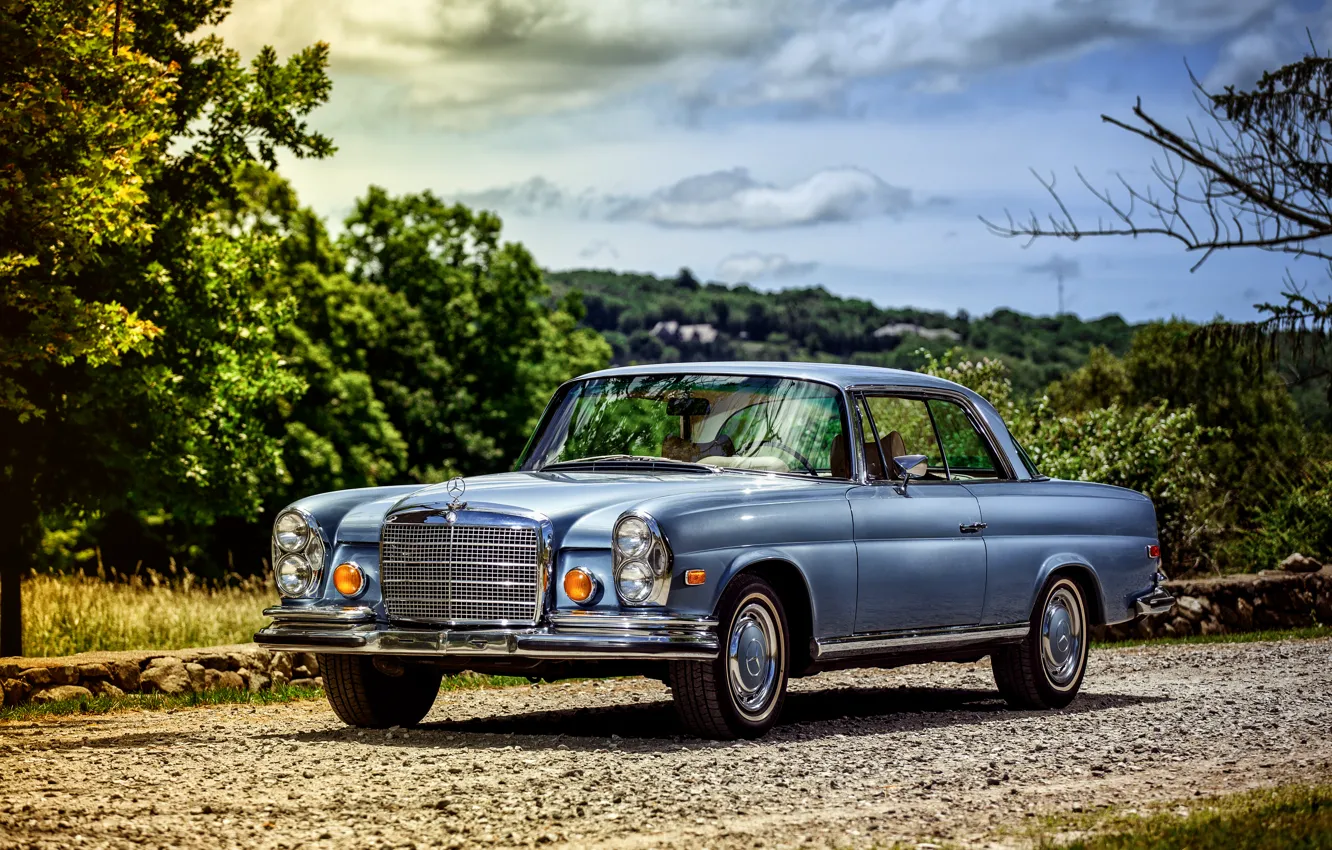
(792, 587)
(1080, 572)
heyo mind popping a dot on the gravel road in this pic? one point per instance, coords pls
(863, 758)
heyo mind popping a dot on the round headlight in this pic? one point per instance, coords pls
(315, 552)
(291, 532)
(295, 576)
(632, 537)
(634, 581)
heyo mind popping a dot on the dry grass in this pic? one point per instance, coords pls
(65, 614)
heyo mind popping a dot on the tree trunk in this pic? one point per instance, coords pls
(19, 533)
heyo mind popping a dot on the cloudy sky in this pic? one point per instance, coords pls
(847, 143)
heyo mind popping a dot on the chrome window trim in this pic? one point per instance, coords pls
(977, 421)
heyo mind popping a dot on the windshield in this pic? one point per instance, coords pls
(729, 422)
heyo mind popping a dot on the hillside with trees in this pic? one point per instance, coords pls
(649, 319)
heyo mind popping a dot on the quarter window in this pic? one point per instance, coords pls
(968, 453)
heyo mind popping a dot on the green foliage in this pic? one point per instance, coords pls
(1298, 520)
(814, 324)
(488, 352)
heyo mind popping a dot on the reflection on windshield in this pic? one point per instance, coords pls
(746, 423)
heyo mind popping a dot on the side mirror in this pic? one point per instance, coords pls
(911, 466)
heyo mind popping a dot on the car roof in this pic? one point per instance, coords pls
(840, 374)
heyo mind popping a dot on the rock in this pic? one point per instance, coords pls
(280, 680)
(281, 666)
(165, 675)
(56, 693)
(1190, 607)
(124, 675)
(103, 688)
(196, 673)
(258, 682)
(89, 672)
(1298, 563)
(219, 679)
(305, 683)
(16, 691)
(37, 677)
(213, 661)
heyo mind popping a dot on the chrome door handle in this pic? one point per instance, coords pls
(971, 527)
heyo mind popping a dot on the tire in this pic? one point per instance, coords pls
(363, 696)
(1031, 677)
(711, 697)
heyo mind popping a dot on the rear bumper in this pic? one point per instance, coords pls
(566, 637)
(1157, 601)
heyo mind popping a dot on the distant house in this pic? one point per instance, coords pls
(898, 330)
(704, 334)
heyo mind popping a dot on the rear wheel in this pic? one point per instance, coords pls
(1046, 669)
(362, 695)
(740, 693)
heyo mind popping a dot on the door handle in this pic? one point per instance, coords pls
(971, 527)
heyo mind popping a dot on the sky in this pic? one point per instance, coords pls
(850, 144)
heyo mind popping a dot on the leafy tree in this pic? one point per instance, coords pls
(489, 352)
(160, 406)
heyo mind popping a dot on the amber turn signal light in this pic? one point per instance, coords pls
(695, 576)
(348, 579)
(579, 584)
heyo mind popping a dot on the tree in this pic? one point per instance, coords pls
(1259, 178)
(486, 352)
(138, 352)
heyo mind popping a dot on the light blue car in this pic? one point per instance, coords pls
(722, 527)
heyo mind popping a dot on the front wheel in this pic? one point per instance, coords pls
(740, 693)
(1045, 670)
(362, 695)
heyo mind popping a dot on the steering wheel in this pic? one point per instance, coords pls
(778, 444)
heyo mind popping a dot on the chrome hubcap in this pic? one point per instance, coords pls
(752, 657)
(1062, 634)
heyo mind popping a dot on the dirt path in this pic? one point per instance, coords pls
(862, 758)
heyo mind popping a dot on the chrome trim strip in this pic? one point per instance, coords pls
(612, 620)
(544, 642)
(1154, 603)
(888, 643)
(328, 614)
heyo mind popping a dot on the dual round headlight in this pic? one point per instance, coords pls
(642, 561)
(298, 553)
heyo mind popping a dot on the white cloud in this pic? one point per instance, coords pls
(469, 63)
(720, 199)
(1279, 38)
(751, 266)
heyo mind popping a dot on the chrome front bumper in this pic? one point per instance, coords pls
(569, 636)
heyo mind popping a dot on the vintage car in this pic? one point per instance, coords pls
(722, 527)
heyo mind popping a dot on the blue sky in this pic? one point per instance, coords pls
(846, 143)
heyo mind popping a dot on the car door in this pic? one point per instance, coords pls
(920, 555)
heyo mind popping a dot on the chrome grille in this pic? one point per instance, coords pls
(438, 572)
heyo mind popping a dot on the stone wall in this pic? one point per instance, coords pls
(1271, 599)
(242, 667)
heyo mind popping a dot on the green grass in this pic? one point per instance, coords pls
(1290, 817)
(1305, 633)
(65, 614)
(222, 696)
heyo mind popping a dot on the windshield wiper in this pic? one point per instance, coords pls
(620, 458)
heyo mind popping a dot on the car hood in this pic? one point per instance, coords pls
(582, 506)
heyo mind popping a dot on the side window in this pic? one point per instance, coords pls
(967, 451)
(904, 428)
